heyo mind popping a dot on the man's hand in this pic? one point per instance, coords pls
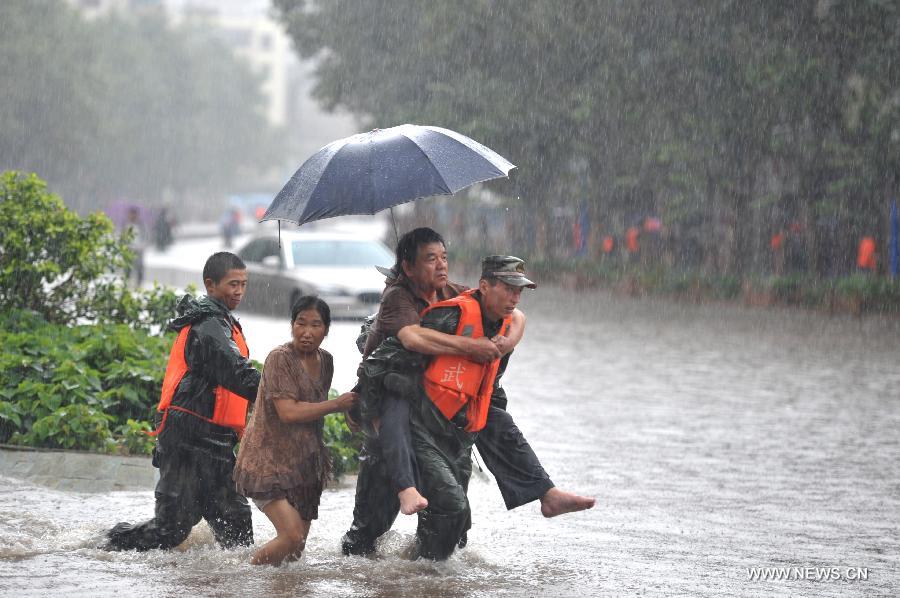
(482, 350)
(503, 344)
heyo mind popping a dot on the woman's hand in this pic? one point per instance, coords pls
(346, 401)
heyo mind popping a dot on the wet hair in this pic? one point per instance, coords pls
(312, 302)
(218, 265)
(409, 244)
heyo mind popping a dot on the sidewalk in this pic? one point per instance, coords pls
(77, 471)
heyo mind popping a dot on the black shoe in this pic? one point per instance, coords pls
(354, 545)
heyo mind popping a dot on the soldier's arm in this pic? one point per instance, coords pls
(507, 343)
(429, 341)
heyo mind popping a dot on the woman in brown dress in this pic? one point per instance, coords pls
(283, 463)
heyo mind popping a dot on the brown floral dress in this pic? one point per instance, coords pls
(286, 460)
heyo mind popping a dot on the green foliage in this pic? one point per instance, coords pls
(77, 386)
(342, 443)
(50, 258)
(877, 294)
(65, 267)
(133, 437)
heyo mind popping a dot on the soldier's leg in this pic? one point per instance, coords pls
(508, 456)
(376, 504)
(227, 512)
(444, 466)
(518, 472)
(178, 507)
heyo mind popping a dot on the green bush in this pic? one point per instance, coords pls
(342, 443)
(95, 387)
(79, 360)
(55, 263)
(77, 386)
(874, 293)
(88, 386)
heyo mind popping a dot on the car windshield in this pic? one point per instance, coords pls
(340, 253)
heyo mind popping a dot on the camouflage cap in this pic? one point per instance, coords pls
(506, 268)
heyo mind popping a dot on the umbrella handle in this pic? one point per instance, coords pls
(396, 234)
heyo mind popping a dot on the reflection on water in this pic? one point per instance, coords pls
(715, 439)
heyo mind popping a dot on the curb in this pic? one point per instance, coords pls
(76, 471)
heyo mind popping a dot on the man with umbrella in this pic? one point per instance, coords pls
(422, 281)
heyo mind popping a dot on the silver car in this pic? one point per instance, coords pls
(338, 268)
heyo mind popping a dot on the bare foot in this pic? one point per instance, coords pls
(557, 502)
(411, 501)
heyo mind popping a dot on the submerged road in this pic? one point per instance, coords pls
(717, 440)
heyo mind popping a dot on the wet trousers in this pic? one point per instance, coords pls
(519, 473)
(505, 452)
(387, 465)
(192, 485)
(444, 454)
(396, 443)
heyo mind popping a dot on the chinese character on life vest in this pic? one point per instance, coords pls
(452, 374)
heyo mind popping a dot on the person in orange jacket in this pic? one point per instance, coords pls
(202, 411)
(866, 256)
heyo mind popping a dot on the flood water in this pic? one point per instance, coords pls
(715, 439)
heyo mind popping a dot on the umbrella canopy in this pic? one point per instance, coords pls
(370, 172)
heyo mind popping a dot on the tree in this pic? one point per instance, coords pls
(117, 107)
(715, 114)
(64, 267)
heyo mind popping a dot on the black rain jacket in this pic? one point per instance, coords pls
(213, 359)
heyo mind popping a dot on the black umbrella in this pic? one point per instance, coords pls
(370, 172)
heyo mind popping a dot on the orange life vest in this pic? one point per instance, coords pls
(608, 244)
(631, 239)
(453, 381)
(777, 241)
(230, 409)
(865, 258)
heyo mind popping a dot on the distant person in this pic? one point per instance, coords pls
(202, 412)
(138, 243)
(283, 463)
(866, 255)
(162, 230)
(231, 226)
(608, 245)
(631, 241)
(777, 245)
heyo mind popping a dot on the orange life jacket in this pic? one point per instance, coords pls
(608, 244)
(230, 409)
(631, 239)
(777, 241)
(453, 381)
(865, 258)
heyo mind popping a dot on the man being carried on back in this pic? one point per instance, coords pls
(388, 464)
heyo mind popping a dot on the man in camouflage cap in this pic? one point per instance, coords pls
(443, 430)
